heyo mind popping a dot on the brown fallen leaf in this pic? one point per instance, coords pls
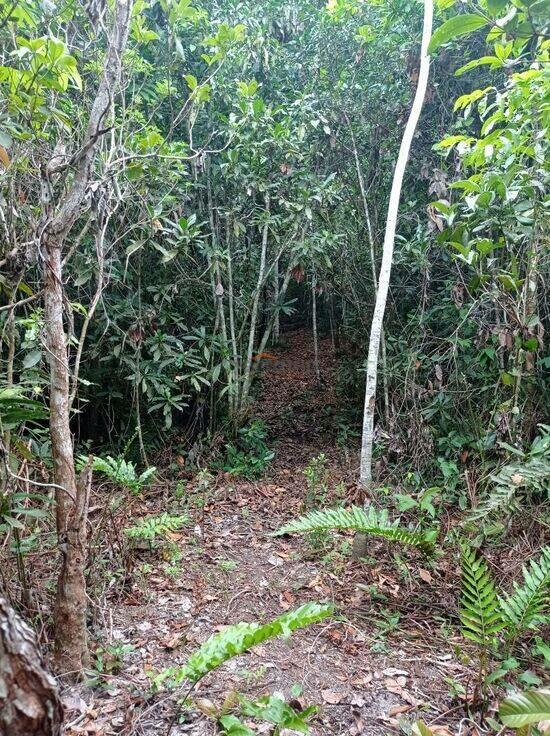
(397, 709)
(331, 696)
(425, 575)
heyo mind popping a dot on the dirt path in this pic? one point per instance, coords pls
(365, 671)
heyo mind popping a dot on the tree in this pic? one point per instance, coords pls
(29, 699)
(387, 251)
(60, 211)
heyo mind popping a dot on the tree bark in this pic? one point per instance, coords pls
(58, 217)
(29, 699)
(387, 256)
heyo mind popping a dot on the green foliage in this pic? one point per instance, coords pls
(372, 522)
(108, 659)
(527, 605)
(155, 527)
(525, 708)
(250, 457)
(123, 472)
(274, 709)
(529, 473)
(484, 613)
(239, 638)
(480, 612)
(460, 25)
(16, 408)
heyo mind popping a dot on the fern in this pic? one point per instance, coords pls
(480, 612)
(371, 521)
(523, 709)
(524, 608)
(530, 472)
(155, 526)
(238, 639)
(122, 472)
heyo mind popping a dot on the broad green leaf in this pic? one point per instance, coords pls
(493, 61)
(495, 6)
(523, 709)
(460, 25)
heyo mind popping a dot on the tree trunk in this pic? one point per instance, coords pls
(387, 257)
(373, 270)
(276, 333)
(315, 335)
(59, 214)
(247, 377)
(29, 700)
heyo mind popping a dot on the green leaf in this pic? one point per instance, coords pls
(420, 729)
(5, 139)
(525, 607)
(191, 81)
(495, 6)
(493, 61)
(460, 25)
(232, 726)
(523, 709)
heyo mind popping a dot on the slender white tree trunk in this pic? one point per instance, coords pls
(315, 334)
(276, 321)
(387, 253)
(373, 270)
(247, 377)
(234, 399)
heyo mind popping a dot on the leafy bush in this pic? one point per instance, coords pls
(372, 522)
(250, 456)
(270, 708)
(520, 710)
(316, 474)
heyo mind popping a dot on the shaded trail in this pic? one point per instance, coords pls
(299, 413)
(227, 568)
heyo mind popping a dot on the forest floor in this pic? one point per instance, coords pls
(388, 657)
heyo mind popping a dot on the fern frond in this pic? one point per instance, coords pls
(155, 526)
(371, 521)
(528, 473)
(524, 608)
(479, 613)
(239, 638)
(120, 471)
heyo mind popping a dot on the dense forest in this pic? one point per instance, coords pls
(274, 433)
